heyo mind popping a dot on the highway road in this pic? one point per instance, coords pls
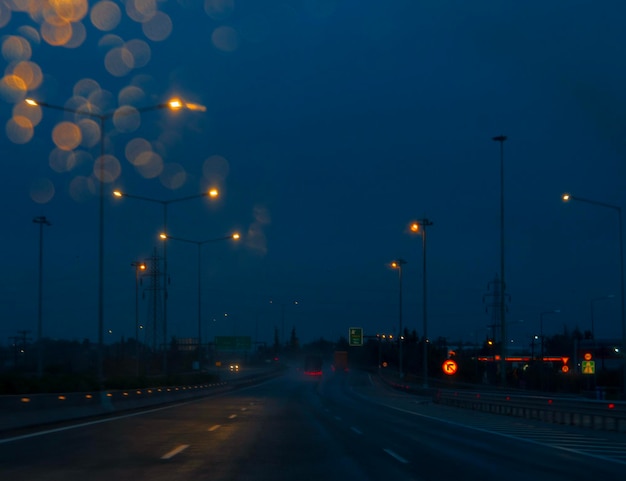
(339, 427)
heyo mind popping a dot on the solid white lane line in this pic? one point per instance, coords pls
(175, 451)
(232, 416)
(397, 457)
(214, 428)
(356, 430)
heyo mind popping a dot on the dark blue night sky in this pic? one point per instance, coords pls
(329, 126)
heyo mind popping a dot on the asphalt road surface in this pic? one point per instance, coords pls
(337, 427)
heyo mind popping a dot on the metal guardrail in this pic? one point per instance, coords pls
(586, 413)
(602, 415)
(21, 403)
(18, 411)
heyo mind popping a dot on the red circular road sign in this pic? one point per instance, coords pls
(449, 367)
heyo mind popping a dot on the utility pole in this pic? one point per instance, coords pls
(495, 305)
(154, 290)
(41, 220)
(501, 139)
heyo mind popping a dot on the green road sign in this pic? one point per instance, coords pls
(588, 367)
(233, 343)
(356, 336)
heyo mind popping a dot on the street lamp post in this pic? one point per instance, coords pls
(397, 264)
(41, 220)
(415, 227)
(282, 319)
(541, 315)
(501, 139)
(211, 193)
(139, 266)
(173, 104)
(567, 197)
(199, 245)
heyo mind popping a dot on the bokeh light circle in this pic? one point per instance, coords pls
(118, 61)
(149, 164)
(225, 39)
(90, 131)
(107, 169)
(19, 129)
(135, 148)
(141, 10)
(42, 191)
(70, 10)
(56, 35)
(66, 135)
(5, 14)
(219, 9)
(12, 88)
(126, 119)
(79, 35)
(157, 28)
(32, 113)
(140, 52)
(81, 188)
(105, 15)
(15, 47)
(130, 95)
(215, 169)
(30, 73)
(173, 176)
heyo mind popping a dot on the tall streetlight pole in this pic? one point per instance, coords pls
(199, 244)
(397, 264)
(566, 198)
(173, 104)
(282, 317)
(541, 316)
(501, 139)
(41, 220)
(211, 193)
(415, 227)
(139, 266)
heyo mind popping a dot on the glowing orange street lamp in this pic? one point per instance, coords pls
(418, 226)
(102, 118)
(139, 266)
(212, 193)
(164, 236)
(568, 197)
(397, 264)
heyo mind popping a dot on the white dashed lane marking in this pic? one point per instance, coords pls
(175, 451)
(396, 456)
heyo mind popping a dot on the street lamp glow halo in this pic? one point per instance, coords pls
(103, 117)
